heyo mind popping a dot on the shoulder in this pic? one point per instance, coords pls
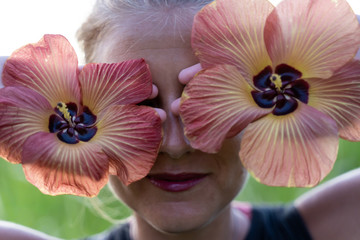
(120, 232)
(274, 222)
(332, 210)
(15, 231)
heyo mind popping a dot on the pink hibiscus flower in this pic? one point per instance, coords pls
(70, 129)
(284, 75)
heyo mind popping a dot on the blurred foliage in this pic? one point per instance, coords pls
(75, 217)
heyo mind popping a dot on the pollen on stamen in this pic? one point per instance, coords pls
(276, 79)
(64, 110)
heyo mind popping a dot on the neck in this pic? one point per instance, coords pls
(230, 224)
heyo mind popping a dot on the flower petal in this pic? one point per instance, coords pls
(314, 36)
(59, 168)
(231, 32)
(339, 97)
(86, 117)
(23, 112)
(49, 67)
(67, 136)
(57, 123)
(106, 84)
(131, 136)
(264, 99)
(215, 105)
(285, 105)
(295, 150)
(299, 89)
(262, 80)
(288, 74)
(86, 134)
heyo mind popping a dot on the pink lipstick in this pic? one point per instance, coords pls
(176, 182)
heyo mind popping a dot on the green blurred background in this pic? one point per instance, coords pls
(74, 217)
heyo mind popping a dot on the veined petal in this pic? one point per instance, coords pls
(23, 112)
(231, 32)
(217, 104)
(314, 36)
(131, 136)
(339, 97)
(49, 67)
(59, 168)
(105, 84)
(294, 150)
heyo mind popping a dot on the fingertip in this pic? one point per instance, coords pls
(187, 74)
(358, 55)
(2, 62)
(162, 114)
(175, 107)
(154, 92)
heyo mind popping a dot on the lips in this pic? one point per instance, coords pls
(176, 182)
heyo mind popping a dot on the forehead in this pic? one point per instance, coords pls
(163, 42)
(142, 33)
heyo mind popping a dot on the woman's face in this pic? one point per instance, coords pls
(186, 188)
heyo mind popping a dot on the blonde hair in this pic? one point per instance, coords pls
(108, 15)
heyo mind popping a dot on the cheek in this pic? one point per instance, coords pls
(126, 194)
(232, 174)
(117, 188)
(137, 196)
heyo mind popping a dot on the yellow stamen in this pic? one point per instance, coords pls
(64, 110)
(276, 79)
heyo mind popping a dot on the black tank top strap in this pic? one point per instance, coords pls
(277, 223)
(121, 232)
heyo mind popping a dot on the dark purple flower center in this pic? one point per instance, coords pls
(280, 90)
(70, 127)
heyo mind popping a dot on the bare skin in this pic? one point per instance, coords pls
(331, 211)
(14, 231)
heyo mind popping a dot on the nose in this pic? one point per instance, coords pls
(174, 142)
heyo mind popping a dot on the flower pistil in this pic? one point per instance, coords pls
(70, 127)
(281, 89)
(276, 80)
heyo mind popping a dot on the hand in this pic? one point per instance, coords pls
(184, 77)
(2, 62)
(160, 111)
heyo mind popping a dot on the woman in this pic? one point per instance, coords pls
(188, 194)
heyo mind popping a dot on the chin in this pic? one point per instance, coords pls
(179, 221)
(184, 214)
